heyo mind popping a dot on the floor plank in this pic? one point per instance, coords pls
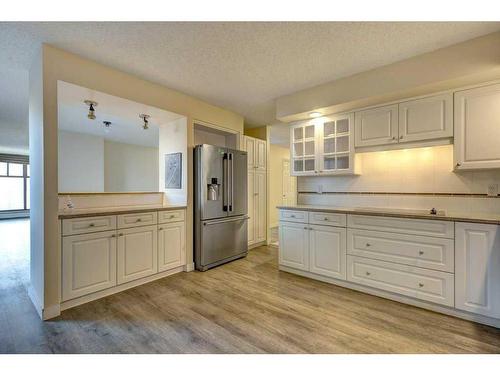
(247, 306)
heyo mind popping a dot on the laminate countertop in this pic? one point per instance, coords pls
(469, 217)
(71, 213)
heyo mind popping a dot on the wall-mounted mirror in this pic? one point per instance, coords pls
(105, 145)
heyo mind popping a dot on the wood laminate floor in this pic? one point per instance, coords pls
(247, 306)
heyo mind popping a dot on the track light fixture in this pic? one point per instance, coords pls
(145, 119)
(92, 105)
(107, 126)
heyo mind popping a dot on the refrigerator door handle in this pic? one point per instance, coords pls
(231, 161)
(214, 222)
(225, 187)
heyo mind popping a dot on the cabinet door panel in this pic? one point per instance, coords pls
(137, 254)
(88, 263)
(376, 126)
(327, 248)
(477, 128)
(171, 246)
(294, 246)
(477, 270)
(250, 149)
(260, 155)
(251, 207)
(260, 206)
(426, 118)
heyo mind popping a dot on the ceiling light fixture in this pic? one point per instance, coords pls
(145, 119)
(107, 126)
(315, 114)
(92, 105)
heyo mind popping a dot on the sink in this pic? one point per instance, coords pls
(402, 211)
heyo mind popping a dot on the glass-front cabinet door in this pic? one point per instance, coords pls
(336, 149)
(304, 148)
(323, 146)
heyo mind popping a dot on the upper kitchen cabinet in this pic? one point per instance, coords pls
(477, 128)
(426, 118)
(256, 153)
(376, 126)
(323, 146)
(418, 120)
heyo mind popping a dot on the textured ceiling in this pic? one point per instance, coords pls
(240, 66)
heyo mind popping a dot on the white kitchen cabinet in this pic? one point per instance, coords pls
(327, 248)
(426, 118)
(323, 146)
(376, 126)
(137, 253)
(257, 196)
(171, 245)
(477, 128)
(88, 263)
(477, 268)
(294, 245)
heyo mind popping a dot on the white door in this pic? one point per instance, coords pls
(289, 185)
(294, 245)
(327, 248)
(171, 245)
(376, 126)
(251, 207)
(260, 206)
(88, 263)
(477, 128)
(477, 268)
(426, 118)
(137, 253)
(250, 149)
(260, 154)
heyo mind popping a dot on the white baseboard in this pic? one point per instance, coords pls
(119, 288)
(398, 298)
(257, 244)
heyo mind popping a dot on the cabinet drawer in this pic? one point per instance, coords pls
(428, 285)
(137, 220)
(88, 225)
(325, 218)
(295, 216)
(427, 252)
(170, 216)
(422, 227)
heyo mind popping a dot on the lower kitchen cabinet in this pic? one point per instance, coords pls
(88, 263)
(294, 245)
(137, 253)
(327, 248)
(171, 245)
(477, 268)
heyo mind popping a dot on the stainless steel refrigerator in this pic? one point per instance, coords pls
(220, 205)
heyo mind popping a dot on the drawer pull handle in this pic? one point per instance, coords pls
(172, 216)
(368, 273)
(120, 234)
(306, 228)
(91, 225)
(113, 235)
(325, 219)
(420, 285)
(160, 228)
(368, 245)
(138, 220)
(292, 216)
(421, 252)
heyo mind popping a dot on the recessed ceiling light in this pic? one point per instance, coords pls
(314, 114)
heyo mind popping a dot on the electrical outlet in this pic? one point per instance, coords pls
(492, 190)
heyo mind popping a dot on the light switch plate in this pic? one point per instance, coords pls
(492, 190)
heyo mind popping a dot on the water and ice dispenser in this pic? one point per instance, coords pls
(213, 190)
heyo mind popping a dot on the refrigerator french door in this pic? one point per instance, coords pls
(220, 205)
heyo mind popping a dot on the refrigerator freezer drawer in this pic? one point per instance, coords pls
(221, 240)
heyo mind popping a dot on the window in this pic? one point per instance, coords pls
(14, 183)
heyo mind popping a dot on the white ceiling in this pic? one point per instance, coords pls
(124, 114)
(242, 66)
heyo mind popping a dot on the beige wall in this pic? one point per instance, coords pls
(276, 156)
(56, 64)
(470, 62)
(260, 132)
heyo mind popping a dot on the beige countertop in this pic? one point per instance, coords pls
(70, 213)
(470, 217)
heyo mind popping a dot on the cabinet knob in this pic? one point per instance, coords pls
(305, 228)
(160, 228)
(368, 273)
(368, 244)
(393, 138)
(310, 229)
(138, 220)
(172, 216)
(292, 216)
(120, 234)
(459, 164)
(400, 137)
(113, 235)
(91, 225)
(325, 219)
(420, 285)
(420, 252)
